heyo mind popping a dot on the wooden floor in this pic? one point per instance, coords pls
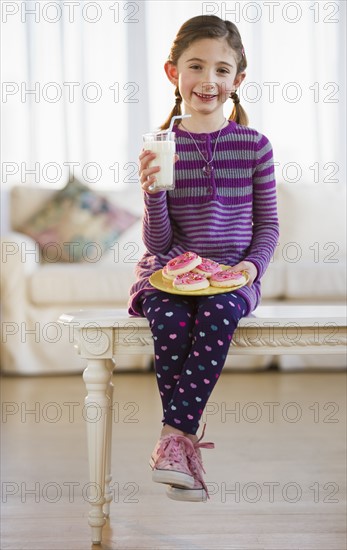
(276, 476)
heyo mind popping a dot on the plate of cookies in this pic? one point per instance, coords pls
(190, 274)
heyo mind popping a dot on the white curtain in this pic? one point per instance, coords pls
(82, 80)
(70, 88)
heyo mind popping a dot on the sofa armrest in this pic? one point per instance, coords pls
(19, 253)
(20, 257)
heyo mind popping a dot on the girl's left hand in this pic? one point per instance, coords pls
(249, 267)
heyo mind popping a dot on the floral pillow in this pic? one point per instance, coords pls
(77, 225)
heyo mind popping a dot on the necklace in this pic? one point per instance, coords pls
(208, 168)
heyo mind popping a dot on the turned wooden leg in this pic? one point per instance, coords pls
(108, 477)
(97, 404)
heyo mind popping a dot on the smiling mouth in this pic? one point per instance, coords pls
(206, 97)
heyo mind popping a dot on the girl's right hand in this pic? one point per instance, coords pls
(147, 175)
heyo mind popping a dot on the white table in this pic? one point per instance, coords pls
(100, 335)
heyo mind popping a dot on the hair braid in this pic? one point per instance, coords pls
(238, 113)
(175, 111)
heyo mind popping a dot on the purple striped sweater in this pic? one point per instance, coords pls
(228, 216)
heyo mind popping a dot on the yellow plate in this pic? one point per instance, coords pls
(157, 280)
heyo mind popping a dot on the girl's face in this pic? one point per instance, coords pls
(205, 75)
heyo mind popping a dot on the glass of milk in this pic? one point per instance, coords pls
(163, 145)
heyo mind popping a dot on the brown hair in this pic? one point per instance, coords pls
(208, 26)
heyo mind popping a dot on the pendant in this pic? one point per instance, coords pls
(207, 170)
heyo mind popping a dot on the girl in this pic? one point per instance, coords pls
(223, 208)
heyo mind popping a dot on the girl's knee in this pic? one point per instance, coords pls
(220, 311)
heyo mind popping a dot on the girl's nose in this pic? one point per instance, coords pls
(209, 87)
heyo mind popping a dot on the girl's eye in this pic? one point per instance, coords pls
(223, 71)
(195, 67)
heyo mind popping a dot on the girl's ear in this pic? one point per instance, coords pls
(238, 79)
(171, 72)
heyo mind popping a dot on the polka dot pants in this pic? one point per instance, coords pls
(192, 335)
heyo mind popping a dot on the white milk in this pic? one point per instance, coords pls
(165, 151)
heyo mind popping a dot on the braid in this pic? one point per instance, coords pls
(235, 98)
(238, 113)
(175, 111)
(178, 96)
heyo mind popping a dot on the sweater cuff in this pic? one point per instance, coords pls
(149, 198)
(258, 265)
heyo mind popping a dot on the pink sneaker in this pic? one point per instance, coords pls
(199, 492)
(169, 461)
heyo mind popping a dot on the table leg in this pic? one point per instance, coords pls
(97, 404)
(108, 478)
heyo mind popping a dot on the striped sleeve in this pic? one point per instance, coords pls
(156, 228)
(265, 220)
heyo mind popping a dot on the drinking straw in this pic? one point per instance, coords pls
(175, 118)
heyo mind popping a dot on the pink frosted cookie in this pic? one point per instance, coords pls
(207, 267)
(228, 279)
(190, 281)
(167, 275)
(182, 264)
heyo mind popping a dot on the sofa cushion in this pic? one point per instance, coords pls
(312, 223)
(81, 284)
(312, 243)
(273, 283)
(77, 224)
(321, 281)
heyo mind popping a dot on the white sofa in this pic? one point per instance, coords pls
(309, 266)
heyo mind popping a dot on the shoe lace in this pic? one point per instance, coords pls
(170, 449)
(195, 460)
